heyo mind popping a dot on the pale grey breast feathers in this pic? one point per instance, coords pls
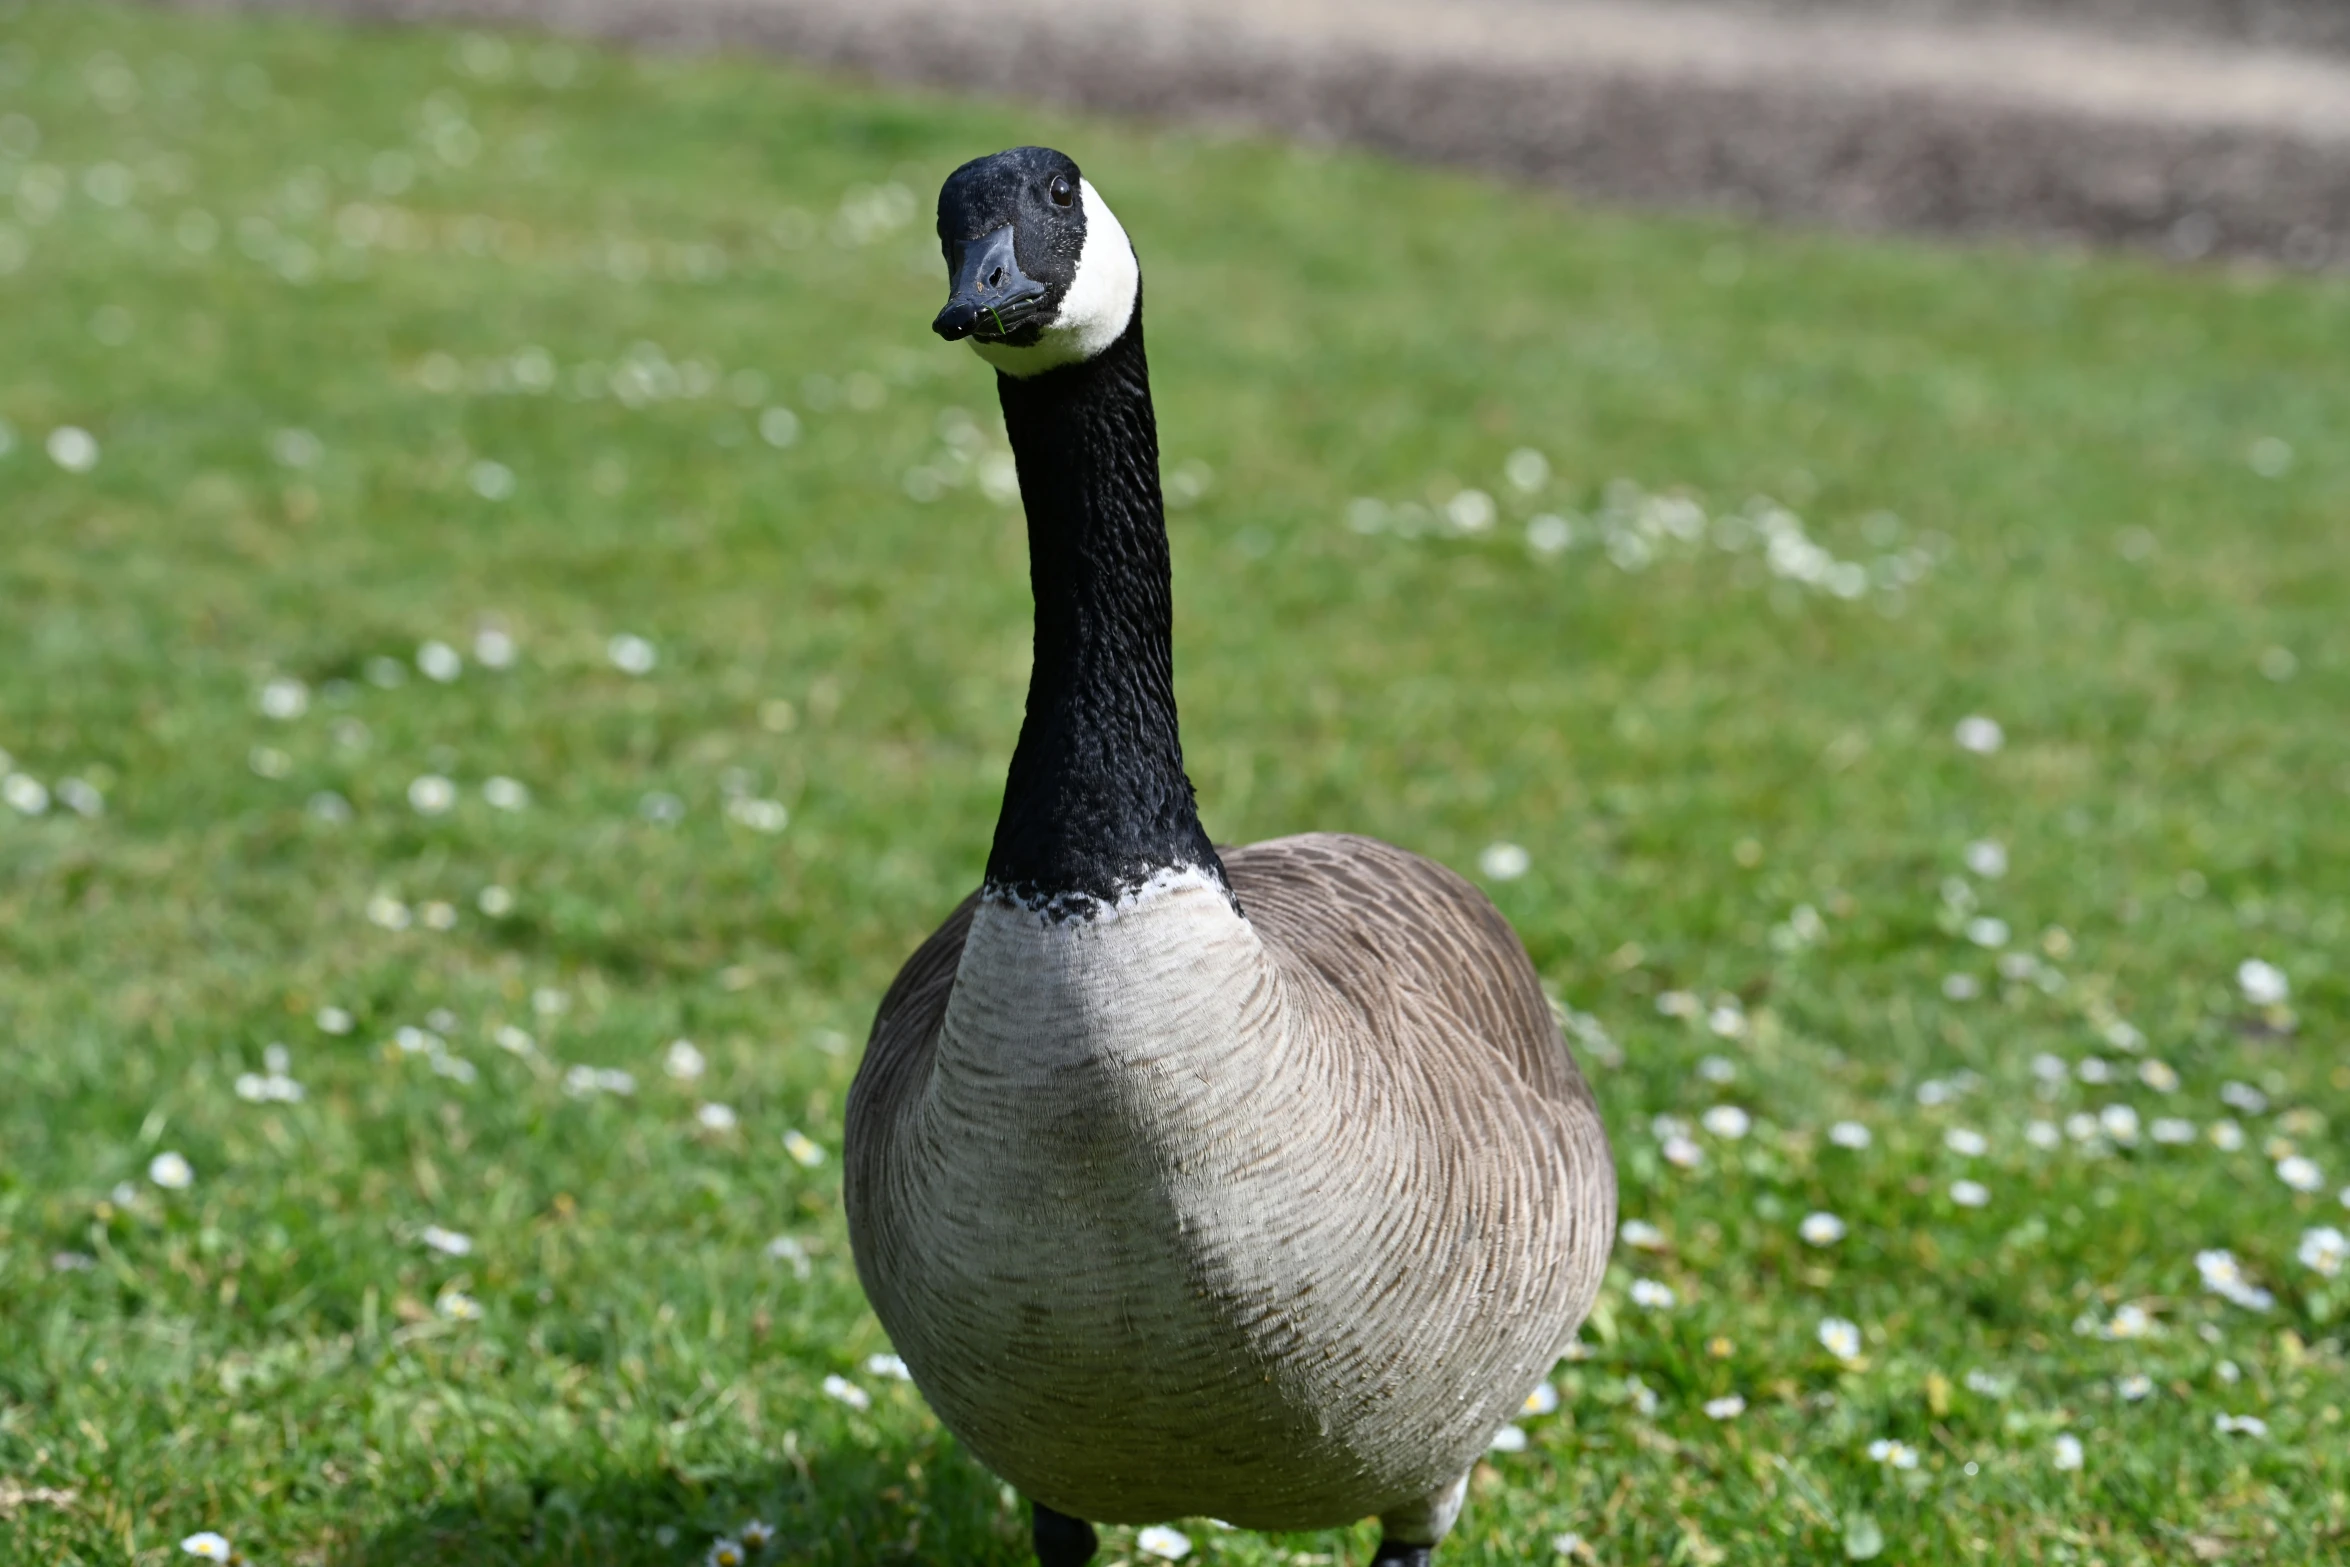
(1406, 940)
(1393, 1249)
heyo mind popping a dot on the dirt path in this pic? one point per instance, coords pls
(1971, 116)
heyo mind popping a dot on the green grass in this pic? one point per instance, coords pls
(1690, 748)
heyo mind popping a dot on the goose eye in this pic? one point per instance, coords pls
(1063, 192)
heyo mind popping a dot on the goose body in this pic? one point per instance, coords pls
(1257, 1184)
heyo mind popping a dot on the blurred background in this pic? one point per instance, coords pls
(2198, 126)
(511, 628)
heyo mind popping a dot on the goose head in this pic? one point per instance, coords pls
(1041, 274)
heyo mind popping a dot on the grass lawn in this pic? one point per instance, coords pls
(497, 577)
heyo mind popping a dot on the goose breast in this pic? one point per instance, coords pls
(1272, 1218)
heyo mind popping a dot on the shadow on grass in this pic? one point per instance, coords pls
(893, 1501)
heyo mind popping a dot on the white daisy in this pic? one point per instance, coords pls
(1849, 1134)
(1820, 1229)
(1987, 858)
(1728, 1407)
(2223, 1276)
(715, 1118)
(1892, 1454)
(493, 648)
(1987, 930)
(683, 1061)
(2243, 1097)
(2300, 1172)
(209, 1546)
(1509, 1439)
(768, 816)
(171, 1171)
(492, 481)
(888, 1366)
(1727, 1122)
(1966, 1142)
(1504, 861)
(1547, 533)
(1651, 1295)
(431, 794)
(1840, 1338)
(74, 449)
(2068, 1454)
(803, 1148)
(1979, 734)
(1641, 1235)
(449, 1243)
(81, 797)
(25, 794)
(1170, 1545)
(2263, 984)
(283, 698)
(1526, 469)
(2323, 1250)
(631, 654)
(1970, 1194)
(439, 662)
(848, 1392)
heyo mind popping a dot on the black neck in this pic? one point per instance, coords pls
(1097, 800)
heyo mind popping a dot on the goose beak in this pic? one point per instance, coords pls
(992, 296)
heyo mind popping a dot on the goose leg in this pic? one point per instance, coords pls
(1408, 1535)
(1062, 1541)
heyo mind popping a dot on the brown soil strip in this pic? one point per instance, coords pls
(1991, 119)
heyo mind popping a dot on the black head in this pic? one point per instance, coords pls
(1040, 271)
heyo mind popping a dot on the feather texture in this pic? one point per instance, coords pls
(1274, 1218)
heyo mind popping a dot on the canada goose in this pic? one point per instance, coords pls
(1255, 1184)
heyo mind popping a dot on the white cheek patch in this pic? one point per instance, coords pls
(1097, 306)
